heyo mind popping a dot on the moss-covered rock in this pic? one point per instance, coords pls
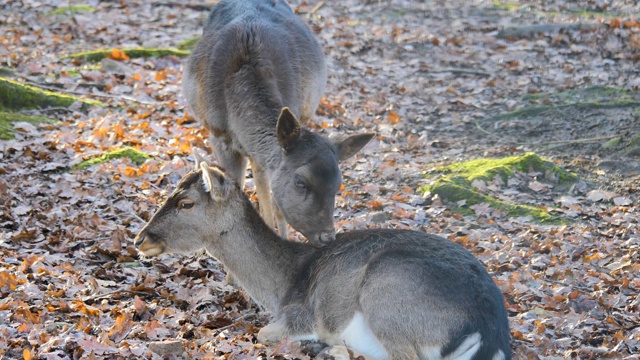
(7, 119)
(97, 55)
(132, 154)
(189, 44)
(455, 185)
(71, 9)
(17, 96)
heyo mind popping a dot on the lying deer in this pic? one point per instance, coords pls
(388, 294)
(255, 75)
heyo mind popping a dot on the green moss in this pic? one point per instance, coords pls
(189, 44)
(7, 119)
(454, 193)
(132, 154)
(97, 55)
(17, 96)
(6, 72)
(76, 70)
(531, 111)
(611, 143)
(635, 141)
(455, 184)
(591, 93)
(487, 169)
(71, 9)
(505, 6)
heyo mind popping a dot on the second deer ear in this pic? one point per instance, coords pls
(288, 130)
(197, 157)
(214, 181)
(349, 146)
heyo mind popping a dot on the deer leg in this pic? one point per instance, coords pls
(283, 231)
(273, 332)
(264, 194)
(234, 163)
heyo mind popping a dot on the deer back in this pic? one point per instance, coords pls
(387, 293)
(255, 75)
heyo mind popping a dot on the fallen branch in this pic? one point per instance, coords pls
(458, 72)
(172, 4)
(108, 96)
(574, 141)
(533, 30)
(113, 293)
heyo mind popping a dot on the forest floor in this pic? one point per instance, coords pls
(440, 82)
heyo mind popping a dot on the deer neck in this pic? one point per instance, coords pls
(255, 104)
(263, 264)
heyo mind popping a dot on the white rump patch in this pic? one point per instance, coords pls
(431, 353)
(467, 349)
(358, 336)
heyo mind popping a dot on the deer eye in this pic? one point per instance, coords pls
(300, 184)
(185, 204)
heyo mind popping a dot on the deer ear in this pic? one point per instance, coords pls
(347, 147)
(288, 130)
(214, 181)
(199, 160)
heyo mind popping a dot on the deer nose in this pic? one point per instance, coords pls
(326, 237)
(139, 239)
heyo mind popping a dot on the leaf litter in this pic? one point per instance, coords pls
(419, 74)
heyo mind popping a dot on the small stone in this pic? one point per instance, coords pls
(167, 347)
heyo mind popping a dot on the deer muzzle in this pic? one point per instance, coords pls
(322, 238)
(147, 246)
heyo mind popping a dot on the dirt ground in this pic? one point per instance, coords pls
(438, 81)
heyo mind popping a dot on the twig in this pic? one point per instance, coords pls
(487, 131)
(317, 7)
(110, 294)
(458, 72)
(235, 322)
(574, 141)
(66, 91)
(138, 217)
(172, 4)
(577, 287)
(532, 30)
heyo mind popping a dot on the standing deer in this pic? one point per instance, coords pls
(388, 294)
(256, 70)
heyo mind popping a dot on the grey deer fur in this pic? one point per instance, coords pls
(255, 72)
(388, 294)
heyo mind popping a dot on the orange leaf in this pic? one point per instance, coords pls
(130, 172)
(8, 280)
(119, 55)
(137, 77)
(23, 327)
(87, 310)
(121, 328)
(375, 204)
(393, 117)
(518, 335)
(26, 354)
(161, 75)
